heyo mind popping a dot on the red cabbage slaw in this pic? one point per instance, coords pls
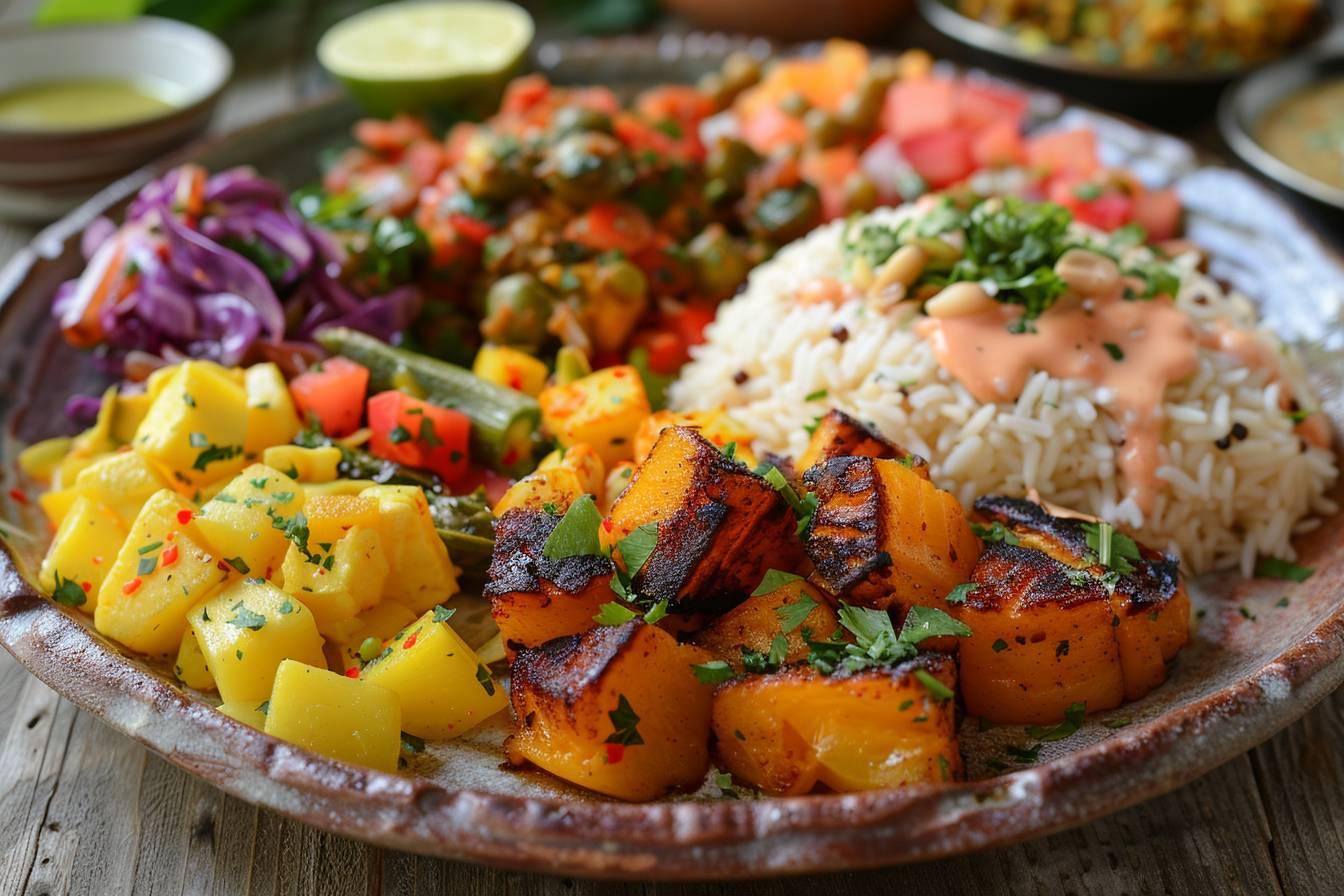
(230, 273)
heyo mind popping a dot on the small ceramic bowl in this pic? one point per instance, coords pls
(44, 173)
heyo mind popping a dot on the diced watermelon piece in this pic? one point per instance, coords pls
(999, 145)
(914, 108)
(942, 158)
(982, 105)
(1159, 213)
(1074, 152)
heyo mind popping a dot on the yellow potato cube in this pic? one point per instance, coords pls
(550, 490)
(331, 516)
(444, 688)
(344, 718)
(379, 623)
(304, 464)
(56, 504)
(191, 667)
(346, 487)
(162, 570)
(603, 409)
(246, 522)
(122, 482)
(81, 553)
(584, 461)
(197, 425)
(718, 427)
(338, 585)
(423, 573)
(511, 368)
(271, 417)
(248, 713)
(129, 414)
(246, 630)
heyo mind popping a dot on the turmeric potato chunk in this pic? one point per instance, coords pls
(718, 427)
(883, 535)
(720, 526)
(792, 730)
(1041, 640)
(754, 624)
(532, 599)
(617, 710)
(1147, 605)
(840, 435)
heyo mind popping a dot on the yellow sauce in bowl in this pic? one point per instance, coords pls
(77, 105)
(1306, 131)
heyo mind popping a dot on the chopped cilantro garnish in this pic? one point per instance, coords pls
(576, 533)
(443, 614)
(1073, 720)
(1114, 550)
(937, 690)
(245, 618)
(146, 566)
(486, 682)
(239, 564)
(152, 546)
(625, 724)
(712, 672)
(636, 547)
(922, 623)
(773, 580)
(216, 453)
(614, 614)
(792, 615)
(958, 594)
(995, 533)
(1115, 351)
(1274, 568)
(68, 592)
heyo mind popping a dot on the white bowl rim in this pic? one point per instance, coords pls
(180, 32)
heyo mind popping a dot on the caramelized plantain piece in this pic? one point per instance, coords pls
(533, 599)
(1150, 602)
(791, 730)
(884, 535)
(720, 526)
(840, 435)
(756, 622)
(617, 709)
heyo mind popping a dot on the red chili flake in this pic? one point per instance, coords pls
(352, 672)
(410, 642)
(223, 565)
(131, 587)
(615, 753)
(184, 516)
(97, 559)
(606, 525)
(87, 586)
(510, 457)
(618, 373)
(169, 556)
(19, 495)
(171, 536)
(515, 379)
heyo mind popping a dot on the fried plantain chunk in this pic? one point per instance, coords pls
(754, 624)
(720, 526)
(789, 731)
(617, 709)
(884, 535)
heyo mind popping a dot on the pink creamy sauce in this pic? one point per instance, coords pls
(1134, 349)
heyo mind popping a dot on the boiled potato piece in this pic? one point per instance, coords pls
(121, 482)
(192, 668)
(756, 622)
(246, 630)
(197, 425)
(304, 464)
(88, 540)
(240, 522)
(585, 463)
(271, 417)
(444, 688)
(164, 568)
(423, 575)
(789, 731)
(617, 709)
(248, 713)
(331, 516)
(338, 585)
(57, 503)
(602, 409)
(510, 367)
(380, 623)
(347, 719)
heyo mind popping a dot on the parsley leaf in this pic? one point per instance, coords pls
(625, 724)
(958, 594)
(773, 580)
(1274, 568)
(614, 614)
(443, 614)
(656, 612)
(937, 690)
(712, 672)
(930, 622)
(1114, 550)
(576, 533)
(245, 618)
(995, 533)
(68, 592)
(803, 507)
(636, 547)
(792, 615)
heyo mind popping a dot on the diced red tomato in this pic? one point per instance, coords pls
(999, 145)
(981, 105)
(392, 136)
(524, 93)
(1106, 208)
(687, 106)
(1073, 152)
(419, 434)
(689, 321)
(769, 127)
(914, 108)
(666, 351)
(333, 393)
(611, 225)
(827, 171)
(475, 477)
(1158, 212)
(640, 136)
(424, 160)
(942, 158)
(669, 272)
(474, 229)
(459, 138)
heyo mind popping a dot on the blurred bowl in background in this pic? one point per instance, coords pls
(796, 20)
(45, 170)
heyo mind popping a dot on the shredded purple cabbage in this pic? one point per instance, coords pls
(201, 290)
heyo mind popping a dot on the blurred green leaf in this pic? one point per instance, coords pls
(69, 12)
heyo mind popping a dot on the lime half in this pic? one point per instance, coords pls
(452, 57)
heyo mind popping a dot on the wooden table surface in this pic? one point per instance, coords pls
(85, 810)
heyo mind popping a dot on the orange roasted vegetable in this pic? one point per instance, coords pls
(791, 730)
(883, 535)
(532, 599)
(617, 710)
(1053, 627)
(756, 622)
(720, 526)
(840, 435)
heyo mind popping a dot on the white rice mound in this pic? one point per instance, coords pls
(1220, 508)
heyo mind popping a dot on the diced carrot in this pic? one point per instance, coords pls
(189, 199)
(999, 145)
(914, 108)
(105, 279)
(611, 225)
(982, 105)
(333, 393)
(942, 158)
(419, 434)
(1159, 213)
(1064, 151)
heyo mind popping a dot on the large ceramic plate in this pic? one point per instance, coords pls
(1245, 676)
